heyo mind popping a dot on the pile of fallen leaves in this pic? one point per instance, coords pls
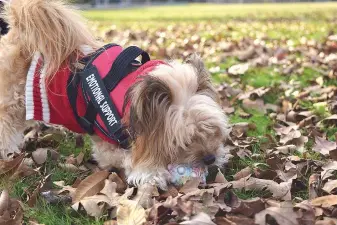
(291, 167)
(105, 193)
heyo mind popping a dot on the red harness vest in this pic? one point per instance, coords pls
(48, 99)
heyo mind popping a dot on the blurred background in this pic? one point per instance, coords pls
(174, 29)
(107, 2)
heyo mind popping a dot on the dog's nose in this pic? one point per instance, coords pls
(209, 159)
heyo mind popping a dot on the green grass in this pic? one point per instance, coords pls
(262, 77)
(58, 214)
(249, 194)
(214, 12)
(274, 21)
(68, 147)
(45, 213)
(330, 133)
(306, 76)
(262, 123)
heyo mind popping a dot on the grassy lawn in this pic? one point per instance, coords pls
(199, 12)
(170, 26)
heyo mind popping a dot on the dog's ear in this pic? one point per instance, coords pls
(149, 100)
(204, 77)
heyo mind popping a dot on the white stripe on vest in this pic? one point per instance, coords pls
(39, 74)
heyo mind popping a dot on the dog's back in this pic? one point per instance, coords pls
(49, 27)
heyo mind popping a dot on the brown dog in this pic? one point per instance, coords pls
(173, 113)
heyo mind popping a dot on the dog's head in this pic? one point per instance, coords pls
(175, 116)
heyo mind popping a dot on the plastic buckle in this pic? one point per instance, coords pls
(87, 126)
(125, 143)
(122, 137)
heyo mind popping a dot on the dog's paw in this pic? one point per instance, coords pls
(159, 177)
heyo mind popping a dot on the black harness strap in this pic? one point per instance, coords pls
(100, 98)
(72, 88)
(86, 122)
(96, 93)
(120, 66)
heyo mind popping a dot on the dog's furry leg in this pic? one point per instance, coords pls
(108, 155)
(12, 97)
(11, 132)
(141, 174)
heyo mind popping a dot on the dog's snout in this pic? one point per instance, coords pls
(209, 159)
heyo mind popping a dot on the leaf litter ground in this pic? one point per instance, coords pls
(277, 82)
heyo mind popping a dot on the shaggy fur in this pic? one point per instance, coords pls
(174, 115)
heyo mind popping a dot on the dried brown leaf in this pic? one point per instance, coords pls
(279, 191)
(330, 186)
(110, 191)
(190, 186)
(284, 216)
(90, 185)
(145, 194)
(130, 212)
(171, 191)
(286, 176)
(201, 218)
(23, 171)
(220, 178)
(65, 188)
(286, 149)
(265, 174)
(71, 160)
(240, 129)
(306, 213)
(40, 155)
(12, 212)
(238, 69)
(328, 170)
(333, 154)
(259, 92)
(257, 105)
(247, 207)
(243, 114)
(121, 186)
(9, 167)
(328, 119)
(94, 205)
(325, 222)
(44, 183)
(110, 222)
(4, 201)
(52, 198)
(324, 146)
(314, 181)
(234, 220)
(79, 158)
(325, 201)
(243, 173)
